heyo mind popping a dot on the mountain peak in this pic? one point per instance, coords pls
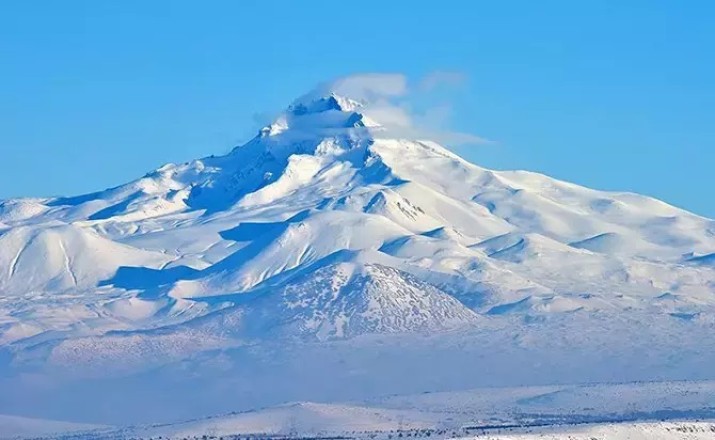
(320, 101)
(319, 114)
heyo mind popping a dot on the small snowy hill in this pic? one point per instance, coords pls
(14, 427)
(64, 257)
(296, 419)
(325, 228)
(345, 299)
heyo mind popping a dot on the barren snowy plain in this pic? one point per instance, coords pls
(646, 410)
(329, 261)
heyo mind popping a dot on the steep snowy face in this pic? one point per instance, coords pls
(315, 138)
(434, 241)
(312, 120)
(348, 298)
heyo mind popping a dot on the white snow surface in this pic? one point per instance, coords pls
(14, 427)
(631, 411)
(685, 430)
(320, 232)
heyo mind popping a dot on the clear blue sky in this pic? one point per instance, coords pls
(615, 95)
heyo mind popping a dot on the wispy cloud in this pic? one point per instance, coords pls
(411, 108)
(397, 103)
(370, 86)
(439, 78)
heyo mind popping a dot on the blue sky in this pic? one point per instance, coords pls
(610, 94)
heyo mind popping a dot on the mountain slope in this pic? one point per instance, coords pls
(348, 298)
(13, 427)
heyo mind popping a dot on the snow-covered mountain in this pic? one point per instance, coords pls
(325, 228)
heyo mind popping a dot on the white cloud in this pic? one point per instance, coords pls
(369, 86)
(404, 108)
(442, 77)
(393, 101)
(388, 113)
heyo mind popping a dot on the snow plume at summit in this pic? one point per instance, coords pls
(404, 108)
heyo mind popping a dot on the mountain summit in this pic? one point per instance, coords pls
(322, 228)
